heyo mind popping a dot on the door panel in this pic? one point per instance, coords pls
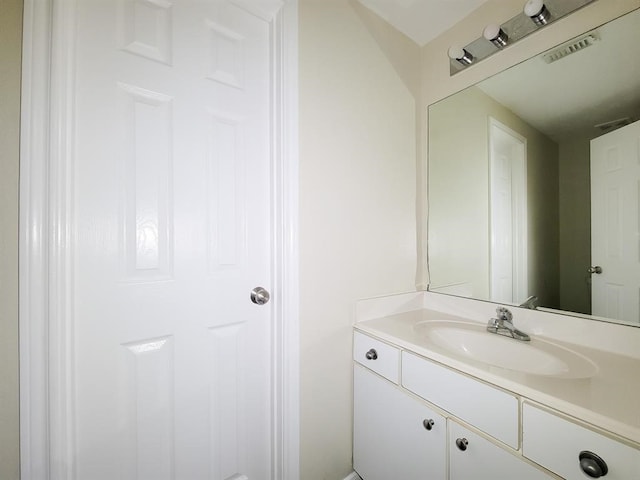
(172, 227)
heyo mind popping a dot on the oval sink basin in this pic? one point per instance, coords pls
(473, 342)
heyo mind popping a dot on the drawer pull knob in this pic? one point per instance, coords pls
(428, 423)
(462, 443)
(592, 464)
(371, 354)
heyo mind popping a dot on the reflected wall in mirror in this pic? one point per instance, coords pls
(534, 180)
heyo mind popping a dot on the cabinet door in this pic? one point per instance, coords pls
(487, 408)
(391, 439)
(479, 459)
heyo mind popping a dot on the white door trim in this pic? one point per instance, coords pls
(46, 395)
(286, 415)
(520, 279)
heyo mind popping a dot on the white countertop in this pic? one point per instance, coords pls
(610, 399)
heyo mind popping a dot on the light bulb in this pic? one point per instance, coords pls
(455, 52)
(537, 11)
(496, 35)
(491, 31)
(533, 7)
(460, 54)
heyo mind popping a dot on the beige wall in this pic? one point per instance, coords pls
(459, 196)
(10, 45)
(575, 225)
(437, 84)
(357, 212)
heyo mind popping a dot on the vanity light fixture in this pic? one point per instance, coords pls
(461, 55)
(496, 35)
(537, 11)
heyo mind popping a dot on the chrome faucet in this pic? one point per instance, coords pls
(531, 303)
(503, 325)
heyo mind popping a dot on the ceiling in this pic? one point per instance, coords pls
(422, 20)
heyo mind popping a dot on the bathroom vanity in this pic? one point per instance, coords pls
(437, 396)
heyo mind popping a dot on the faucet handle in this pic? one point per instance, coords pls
(504, 314)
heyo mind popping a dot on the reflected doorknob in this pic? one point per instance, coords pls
(597, 269)
(260, 296)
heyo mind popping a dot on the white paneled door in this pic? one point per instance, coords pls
(171, 195)
(615, 224)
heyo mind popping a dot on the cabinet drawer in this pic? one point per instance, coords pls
(556, 444)
(376, 355)
(489, 409)
(480, 459)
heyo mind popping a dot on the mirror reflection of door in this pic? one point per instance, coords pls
(508, 214)
(615, 224)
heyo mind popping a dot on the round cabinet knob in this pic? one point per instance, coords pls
(428, 423)
(592, 465)
(371, 354)
(462, 444)
(597, 270)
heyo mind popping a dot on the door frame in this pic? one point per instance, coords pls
(520, 278)
(46, 241)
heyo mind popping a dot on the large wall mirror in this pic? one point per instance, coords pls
(534, 180)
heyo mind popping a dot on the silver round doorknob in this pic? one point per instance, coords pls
(260, 296)
(597, 269)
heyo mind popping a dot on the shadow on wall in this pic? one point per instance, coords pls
(10, 58)
(402, 52)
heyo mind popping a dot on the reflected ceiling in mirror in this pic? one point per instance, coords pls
(511, 181)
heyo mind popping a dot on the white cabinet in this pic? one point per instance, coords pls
(396, 436)
(566, 448)
(491, 410)
(472, 457)
(465, 429)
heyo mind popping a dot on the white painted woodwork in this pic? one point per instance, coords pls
(550, 441)
(491, 410)
(387, 443)
(556, 443)
(615, 224)
(48, 237)
(387, 361)
(390, 440)
(171, 200)
(483, 460)
(508, 214)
